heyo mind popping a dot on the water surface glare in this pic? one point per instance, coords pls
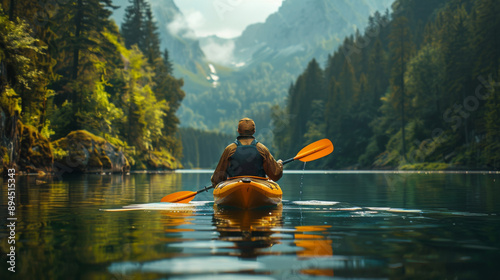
(344, 225)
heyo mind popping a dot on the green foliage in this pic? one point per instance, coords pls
(22, 75)
(202, 149)
(315, 125)
(492, 140)
(417, 86)
(18, 49)
(149, 120)
(59, 153)
(96, 113)
(406, 94)
(73, 71)
(425, 166)
(139, 28)
(47, 132)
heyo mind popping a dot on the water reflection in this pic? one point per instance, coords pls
(315, 245)
(383, 226)
(231, 241)
(249, 230)
(255, 232)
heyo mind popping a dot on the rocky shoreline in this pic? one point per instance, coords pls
(24, 149)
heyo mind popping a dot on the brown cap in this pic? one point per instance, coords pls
(246, 127)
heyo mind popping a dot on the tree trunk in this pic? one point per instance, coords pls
(12, 9)
(402, 84)
(76, 47)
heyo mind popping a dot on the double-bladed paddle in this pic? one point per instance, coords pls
(310, 152)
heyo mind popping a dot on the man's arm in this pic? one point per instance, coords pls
(273, 168)
(220, 171)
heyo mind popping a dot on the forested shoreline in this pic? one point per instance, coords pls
(417, 89)
(429, 67)
(66, 67)
(202, 149)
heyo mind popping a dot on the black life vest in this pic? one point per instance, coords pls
(246, 161)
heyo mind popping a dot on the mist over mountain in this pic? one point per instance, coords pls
(175, 34)
(226, 79)
(306, 26)
(256, 69)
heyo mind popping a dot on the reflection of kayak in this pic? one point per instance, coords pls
(232, 220)
(249, 230)
(247, 192)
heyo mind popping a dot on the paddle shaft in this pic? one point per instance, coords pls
(206, 188)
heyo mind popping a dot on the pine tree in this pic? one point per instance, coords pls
(89, 17)
(486, 40)
(133, 24)
(151, 37)
(310, 84)
(456, 49)
(400, 48)
(348, 85)
(492, 140)
(424, 84)
(377, 77)
(335, 109)
(139, 28)
(169, 67)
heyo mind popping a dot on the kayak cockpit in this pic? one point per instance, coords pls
(247, 192)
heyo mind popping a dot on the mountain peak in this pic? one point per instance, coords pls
(303, 24)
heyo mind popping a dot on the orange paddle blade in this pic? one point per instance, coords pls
(179, 197)
(315, 150)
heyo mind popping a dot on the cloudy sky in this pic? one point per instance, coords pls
(225, 18)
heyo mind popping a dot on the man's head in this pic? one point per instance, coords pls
(246, 127)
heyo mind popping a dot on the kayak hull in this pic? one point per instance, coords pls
(247, 193)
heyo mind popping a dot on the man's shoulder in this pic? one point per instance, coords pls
(231, 146)
(261, 146)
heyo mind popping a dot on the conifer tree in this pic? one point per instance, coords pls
(169, 68)
(492, 141)
(377, 78)
(400, 48)
(139, 28)
(335, 108)
(348, 85)
(151, 37)
(456, 49)
(486, 40)
(309, 85)
(89, 17)
(133, 24)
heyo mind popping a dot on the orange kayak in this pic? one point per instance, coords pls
(247, 192)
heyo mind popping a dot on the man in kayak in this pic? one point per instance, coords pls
(247, 157)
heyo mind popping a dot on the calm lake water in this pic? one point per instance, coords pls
(336, 225)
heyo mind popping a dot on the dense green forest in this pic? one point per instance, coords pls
(416, 90)
(202, 149)
(66, 66)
